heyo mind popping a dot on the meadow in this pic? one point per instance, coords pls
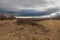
(28, 29)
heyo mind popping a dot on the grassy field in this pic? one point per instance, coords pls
(30, 30)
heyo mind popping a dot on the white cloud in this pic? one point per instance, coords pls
(27, 4)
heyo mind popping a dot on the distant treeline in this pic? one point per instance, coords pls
(5, 17)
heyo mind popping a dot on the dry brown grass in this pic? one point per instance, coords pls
(29, 30)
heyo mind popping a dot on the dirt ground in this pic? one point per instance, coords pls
(40, 30)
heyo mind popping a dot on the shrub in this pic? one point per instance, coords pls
(2, 16)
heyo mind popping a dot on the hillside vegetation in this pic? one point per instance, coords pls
(29, 30)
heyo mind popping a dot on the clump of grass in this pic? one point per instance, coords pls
(27, 21)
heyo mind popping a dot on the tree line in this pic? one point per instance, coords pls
(5, 17)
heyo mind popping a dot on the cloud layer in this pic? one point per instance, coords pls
(51, 7)
(15, 5)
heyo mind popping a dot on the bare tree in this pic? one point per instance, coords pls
(2, 16)
(11, 15)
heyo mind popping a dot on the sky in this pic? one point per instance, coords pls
(41, 5)
(51, 6)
